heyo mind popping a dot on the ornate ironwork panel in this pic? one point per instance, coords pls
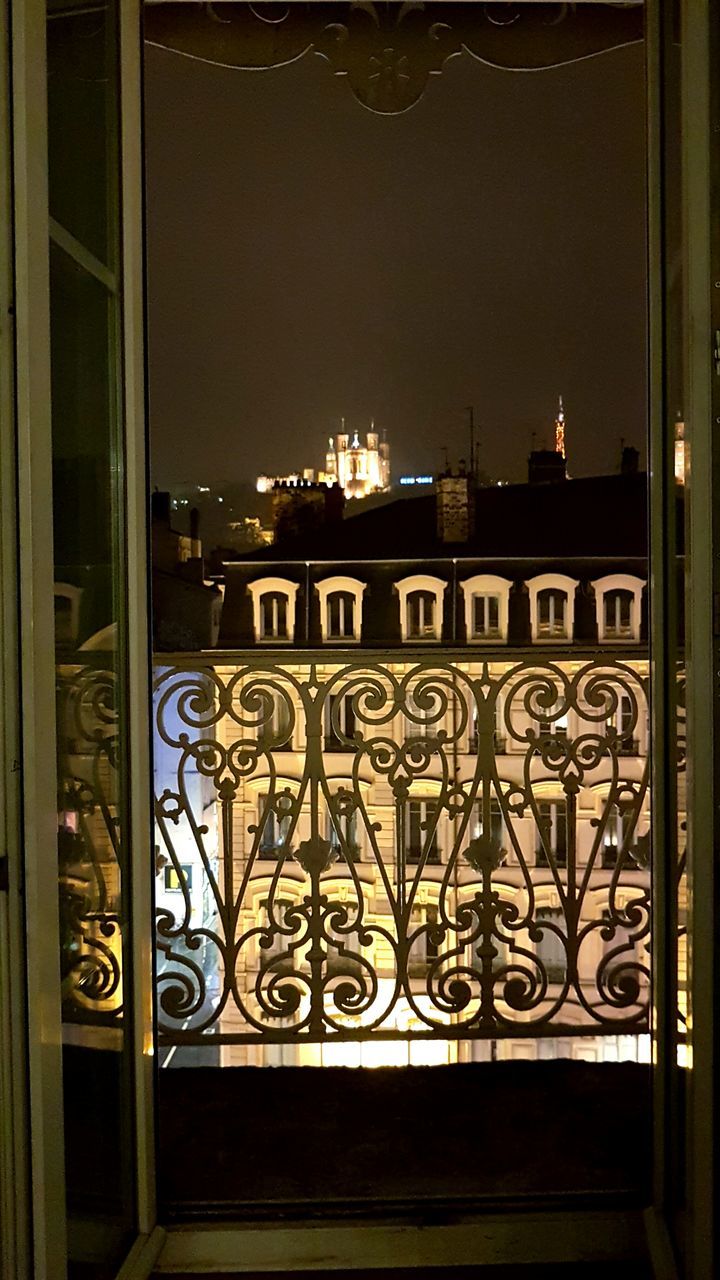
(470, 859)
(89, 843)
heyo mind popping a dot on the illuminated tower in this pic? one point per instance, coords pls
(560, 428)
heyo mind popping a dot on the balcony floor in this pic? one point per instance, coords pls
(416, 1143)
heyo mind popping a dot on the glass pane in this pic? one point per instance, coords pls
(90, 593)
(82, 106)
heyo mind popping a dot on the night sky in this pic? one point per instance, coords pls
(308, 259)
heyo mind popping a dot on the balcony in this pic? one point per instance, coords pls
(303, 955)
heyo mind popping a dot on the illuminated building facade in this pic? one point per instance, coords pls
(433, 788)
(359, 469)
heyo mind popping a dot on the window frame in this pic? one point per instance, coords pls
(486, 584)
(433, 586)
(267, 586)
(331, 586)
(619, 582)
(552, 582)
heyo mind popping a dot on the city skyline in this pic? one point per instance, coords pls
(398, 298)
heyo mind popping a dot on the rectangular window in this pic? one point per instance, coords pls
(497, 830)
(274, 830)
(273, 616)
(174, 882)
(341, 616)
(550, 948)
(552, 609)
(274, 734)
(342, 834)
(486, 617)
(420, 817)
(622, 722)
(618, 614)
(618, 837)
(425, 949)
(552, 834)
(421, 615)
(339, 722)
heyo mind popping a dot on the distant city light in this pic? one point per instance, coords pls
(203, 488)
(416, 479)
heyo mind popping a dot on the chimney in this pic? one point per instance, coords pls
(546, 466)
(630, 463)
(455, 506)
(305, 507)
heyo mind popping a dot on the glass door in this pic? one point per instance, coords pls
(83, 638)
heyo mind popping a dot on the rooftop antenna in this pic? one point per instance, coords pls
(447, 460)
(533, 438)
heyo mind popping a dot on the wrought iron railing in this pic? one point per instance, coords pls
(419, 889)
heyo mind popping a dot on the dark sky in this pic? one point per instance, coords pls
(308, 259)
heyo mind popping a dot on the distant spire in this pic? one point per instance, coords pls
(355, 442)
(560, 428)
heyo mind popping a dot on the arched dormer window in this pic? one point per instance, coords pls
(618, 603)
(273, 609)
(421, 598)
(552, 607)
(486, 608)
(340, 609)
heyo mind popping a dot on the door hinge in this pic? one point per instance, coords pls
(716, 352)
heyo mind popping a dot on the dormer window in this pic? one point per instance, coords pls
(486, 608)
(340, 609)
(617, 601)
(552, 607)
(273, 610)
(421, 600)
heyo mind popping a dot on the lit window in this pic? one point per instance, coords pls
(174, 882)
(618, 838)
(274, 829)
(552, 610)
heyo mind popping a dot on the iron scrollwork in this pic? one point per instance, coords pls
(416, 882)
